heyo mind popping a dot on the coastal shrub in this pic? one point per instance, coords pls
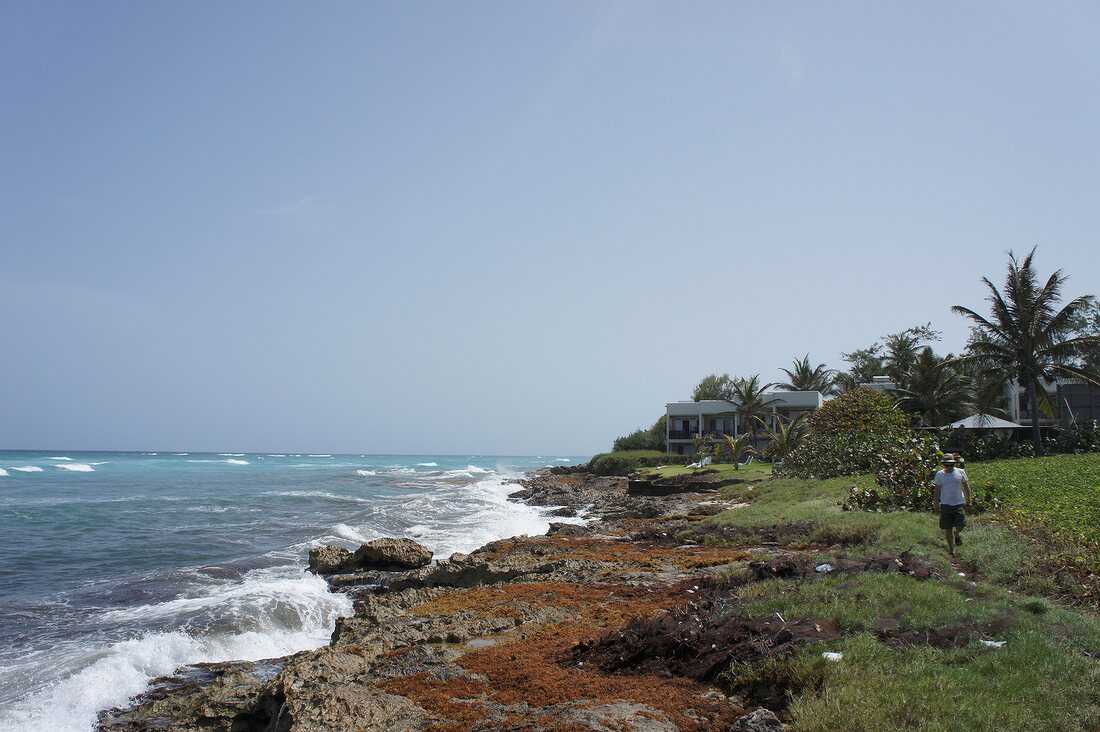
(847, 435)
(628, 461)
(1083, 437)
(974, 445)
(859, 411)
(903, 475)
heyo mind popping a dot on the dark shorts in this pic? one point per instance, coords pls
(952, 517)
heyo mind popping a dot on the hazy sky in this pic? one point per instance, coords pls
(506, 227)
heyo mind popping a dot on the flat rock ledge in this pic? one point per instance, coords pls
(489, 640)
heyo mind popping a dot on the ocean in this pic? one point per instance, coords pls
(121, 567)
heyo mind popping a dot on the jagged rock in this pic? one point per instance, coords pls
(329, 559)
(761, 720)
(326, 690)
(557, 529)
(390, 553)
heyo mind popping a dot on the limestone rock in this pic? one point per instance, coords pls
(329, 559)
(390, 553)
(761, 720)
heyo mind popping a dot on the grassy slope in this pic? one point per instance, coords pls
(752, 471)
(1040, 679)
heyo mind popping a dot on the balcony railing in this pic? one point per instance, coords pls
(690, 434)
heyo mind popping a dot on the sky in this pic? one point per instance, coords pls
(507, 227)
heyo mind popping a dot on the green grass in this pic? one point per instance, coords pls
(818, 503)
(1040, 679)
(1059, 494)
(752, 471)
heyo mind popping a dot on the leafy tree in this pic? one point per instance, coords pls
(934, 389)
(1088, 324)
(866, 363)
(712, 386)
(804, 377)
(1028, 338)
(644, 439)
(891, 356)
(749, 402)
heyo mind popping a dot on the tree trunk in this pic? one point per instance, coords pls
(1033, 405)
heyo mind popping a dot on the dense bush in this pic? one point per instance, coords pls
(624, 463)
(641, 439)
(1084, 437)
(977, 446)
(859, 411)
(848, 435)
(903, 473)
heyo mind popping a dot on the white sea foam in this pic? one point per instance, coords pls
(230, 461)
(231, 454)
(365, 473)
(562, 460)
(346, 532)
(276, 455)
(237, 462)
(3, 473)
(77, 467)
(321, 456)
(29, 469)
(272, 612)
(428, 465)
(61, 458)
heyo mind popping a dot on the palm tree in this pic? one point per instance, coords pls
(1027, 338)
(845, 382)
(934, 389)
(749, 403)
(902, 350)
(737, 448)
(807, 378)
(784, 437)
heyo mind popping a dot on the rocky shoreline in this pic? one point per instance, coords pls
(619, 624)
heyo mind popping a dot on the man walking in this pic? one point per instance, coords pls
(951, 494)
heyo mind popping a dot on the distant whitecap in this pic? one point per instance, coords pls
(365, 473)
(233, 461)
(321, 456)
(61, 458)
(77, 467)
(428, 465)
(3, 473)
(29, 469)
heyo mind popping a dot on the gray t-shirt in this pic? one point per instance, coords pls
(951, 491)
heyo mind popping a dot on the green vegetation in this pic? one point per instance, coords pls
(847, 435)
(1057, 495)
(752, 471)
(1028, 339)
(644, 439)
(627, 461)
(1044, 676)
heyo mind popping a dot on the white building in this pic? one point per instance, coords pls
(717, 417)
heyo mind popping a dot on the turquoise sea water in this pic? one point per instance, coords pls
(121, 567)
